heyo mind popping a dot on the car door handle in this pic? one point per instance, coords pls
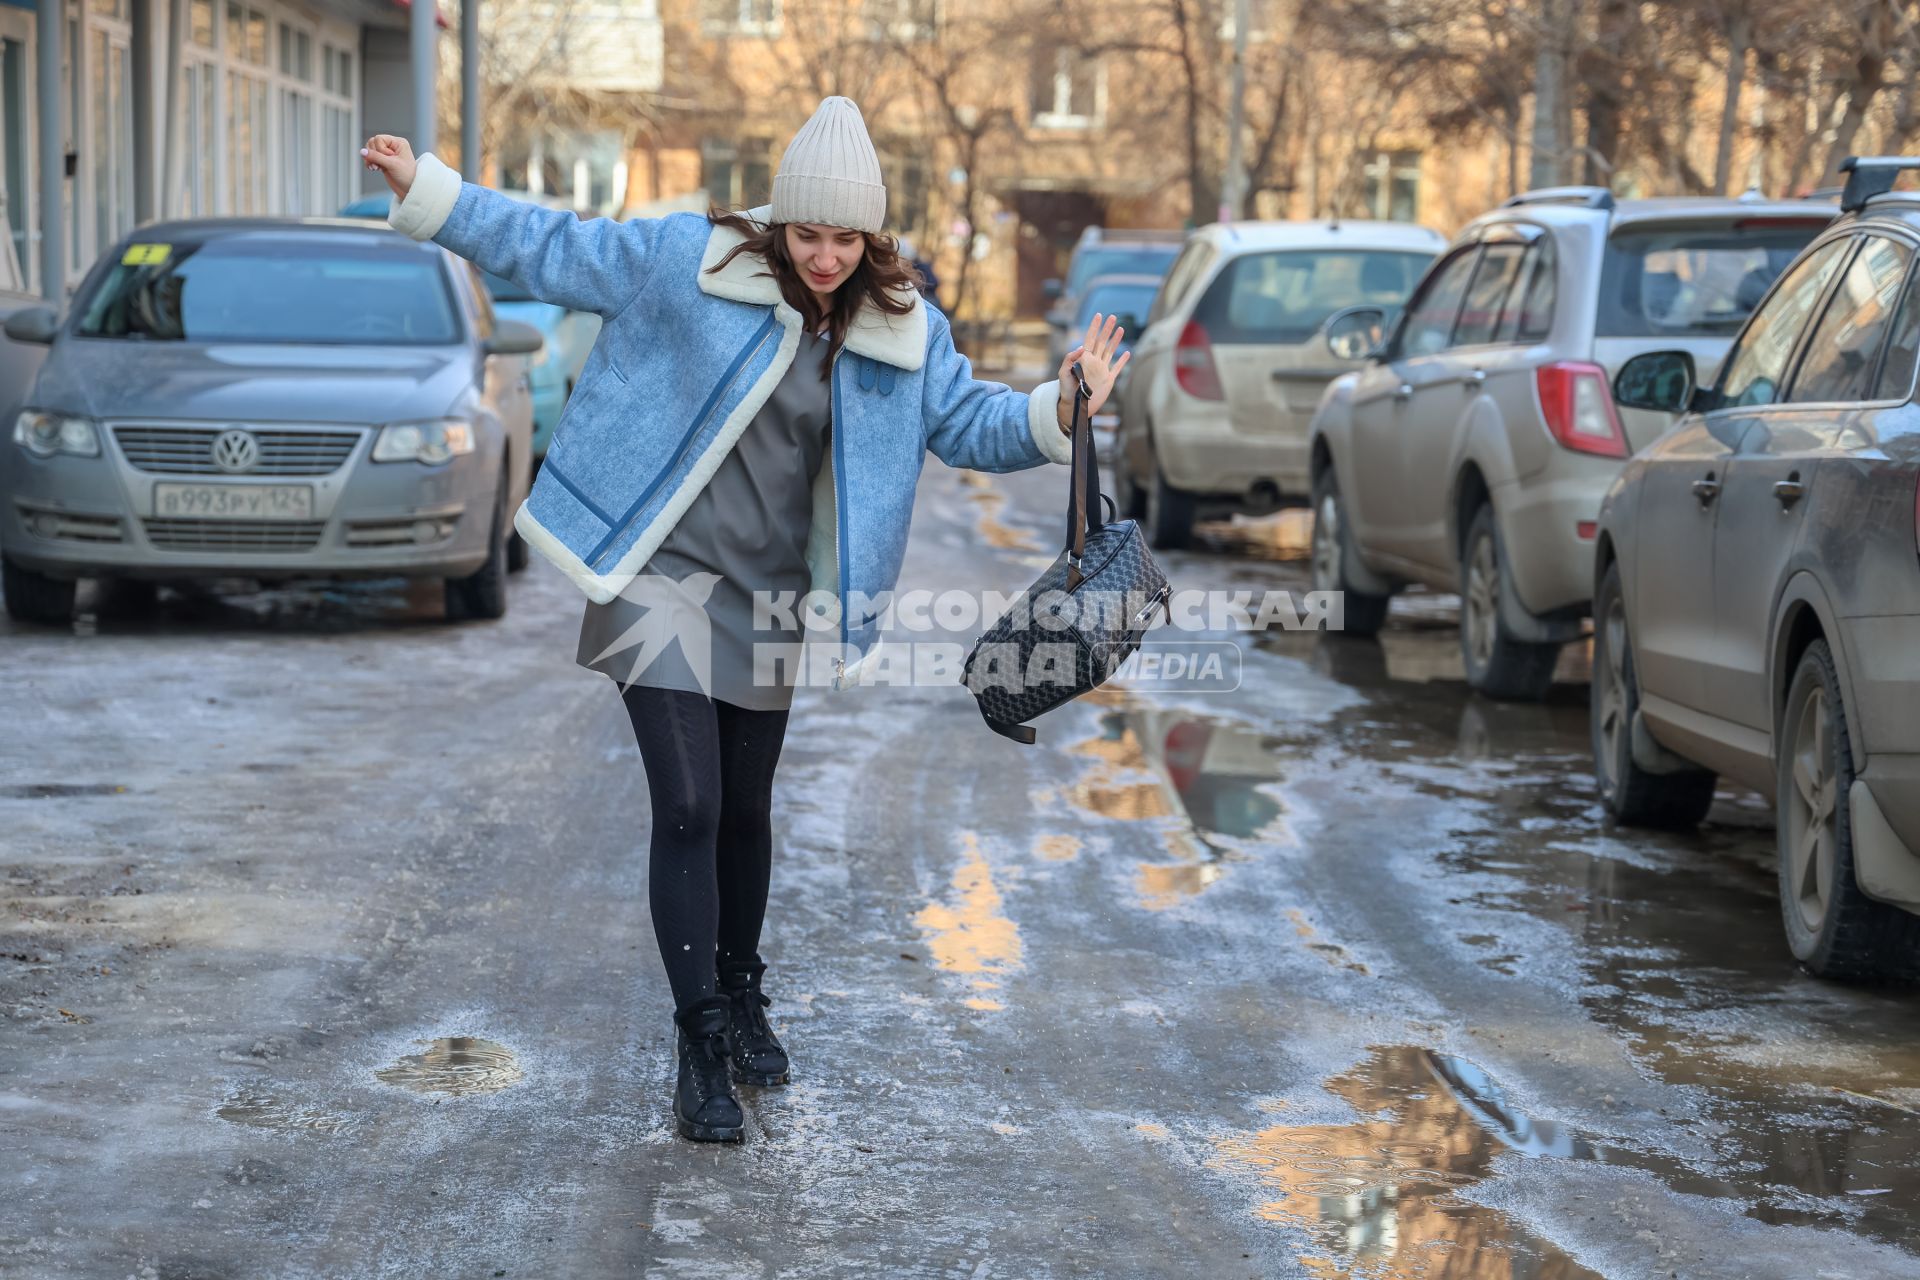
(1790, 490)
(1706, 490)
(1474, 380)
(1403, 392)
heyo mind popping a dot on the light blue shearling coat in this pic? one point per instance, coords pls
(683, 362)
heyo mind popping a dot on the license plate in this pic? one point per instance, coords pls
(234, 501)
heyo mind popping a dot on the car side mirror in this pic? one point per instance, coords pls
(514, 338)
(1661, 381)
(33, 324)
(1354, 333)
(1051, 290)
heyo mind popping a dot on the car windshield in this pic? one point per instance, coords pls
(1693, 281)
(1117, 299)
(1286, 296)
(1120, 260)
(272, 289)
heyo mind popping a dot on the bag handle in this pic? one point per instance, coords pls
(1083, 494)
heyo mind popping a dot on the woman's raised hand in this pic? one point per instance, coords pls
(1097, 364)
(394, 159)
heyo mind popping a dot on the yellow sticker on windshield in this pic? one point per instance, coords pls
(146, 255)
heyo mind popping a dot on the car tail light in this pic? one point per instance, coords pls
(1578, 408)
(1193, 366)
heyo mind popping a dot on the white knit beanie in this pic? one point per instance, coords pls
(830, 174)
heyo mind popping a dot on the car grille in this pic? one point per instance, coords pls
(284, 451)
(234, 535)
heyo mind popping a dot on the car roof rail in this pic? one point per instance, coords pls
(1589, 197)
(1870, 176)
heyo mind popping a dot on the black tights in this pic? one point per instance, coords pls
(710, 772)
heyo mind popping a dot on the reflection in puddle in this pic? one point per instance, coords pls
(1159, 762)
(1057, 848)
(1808, 1087)
(456, 1065)
(969, 934)
(1379, 1196)
(991, 500)
(261, 1110)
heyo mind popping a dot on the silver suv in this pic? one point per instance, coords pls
(1472, 453)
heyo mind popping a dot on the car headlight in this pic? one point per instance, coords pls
(428, 442)
(44, 433)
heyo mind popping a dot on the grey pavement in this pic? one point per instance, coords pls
(324, 951)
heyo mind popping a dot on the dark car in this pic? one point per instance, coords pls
(1757, 587)
(268, 399)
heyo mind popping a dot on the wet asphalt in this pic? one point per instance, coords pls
(324, 951)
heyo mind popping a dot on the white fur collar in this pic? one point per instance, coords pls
(900, 341)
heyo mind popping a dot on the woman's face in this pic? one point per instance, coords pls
(825, 256)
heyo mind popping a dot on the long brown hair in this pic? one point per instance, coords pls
(883, 277)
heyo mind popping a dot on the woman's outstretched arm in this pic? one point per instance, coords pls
(988, 426)
(596, 265)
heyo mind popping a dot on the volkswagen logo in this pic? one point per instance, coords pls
(235, 451)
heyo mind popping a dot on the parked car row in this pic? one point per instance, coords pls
(1753, 569)
(1756, 581)
(268, 398)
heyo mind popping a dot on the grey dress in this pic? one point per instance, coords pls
(746, 531)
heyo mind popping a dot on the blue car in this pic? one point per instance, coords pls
(570, 335)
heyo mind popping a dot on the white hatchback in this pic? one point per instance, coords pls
(1244, 335)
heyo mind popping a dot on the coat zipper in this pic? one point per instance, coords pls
(839, 510)
(754, 347)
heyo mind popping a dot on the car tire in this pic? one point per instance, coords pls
(1498, 664)
(35, 597)
(1169, 511)
(483, 593)
(1129, 499)
(1365, 613)
(1632, 795)
(519, 554)
(1832, 927)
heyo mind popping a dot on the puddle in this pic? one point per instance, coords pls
(1811, 1089)
(991, 500)
(1380, 1197)
(455, 1064)
(258, 1109)
(1287, 535)
(1056, 848)
(969, 934)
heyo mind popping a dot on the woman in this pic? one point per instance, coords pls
(752, 419)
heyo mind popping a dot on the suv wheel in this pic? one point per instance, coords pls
(1169, 510)
(1832, 927)
(1364, 612)
(35, 597)
(1631, 794)
(483, 593)
(1498, 665)
(519, 554)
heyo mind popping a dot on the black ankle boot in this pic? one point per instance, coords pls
(704, 1104)
(758, 1057)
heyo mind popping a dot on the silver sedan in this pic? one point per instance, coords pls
(268, 399)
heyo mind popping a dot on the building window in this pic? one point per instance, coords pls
(900, 19)
(906, 179)
(1069, 90)
(200, 26)
(737, 173)
(1392, 185)
(743, 17)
